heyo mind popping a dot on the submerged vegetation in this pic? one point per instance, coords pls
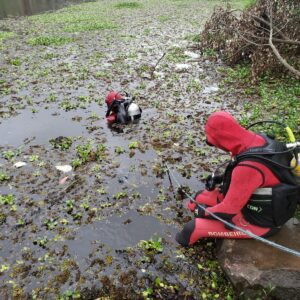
(50, 40)
(125, 4)
(89, 26)
(4, 35)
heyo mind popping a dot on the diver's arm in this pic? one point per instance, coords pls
(244, 181)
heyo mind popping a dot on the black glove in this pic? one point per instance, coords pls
(199, 211)
(212, 181)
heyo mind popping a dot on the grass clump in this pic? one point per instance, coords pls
(16, 62)
(248, 3)
(68, 295)
(176, 55)
(7, 199)
(89, 26)
(152, 245)
(9, 154)
(134, 145)
(87, 153)
(278, 99)
(50, 41)
(163, 19)
(128, 5)
(5, 34)
(196, 38)
(120, 195)
(61, 142)
(4, 177)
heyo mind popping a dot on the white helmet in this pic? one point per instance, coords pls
(134, 111)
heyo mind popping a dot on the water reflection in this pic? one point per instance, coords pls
(30, 7)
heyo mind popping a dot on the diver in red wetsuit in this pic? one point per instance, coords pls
(258, 191)
(121, 109)
(112, 100)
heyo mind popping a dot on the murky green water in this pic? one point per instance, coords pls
(30, 7)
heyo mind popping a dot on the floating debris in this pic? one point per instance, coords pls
(63, 180)
(210, 89)
(20, 164)
(182, 67)
(64, 168)
(192, 54)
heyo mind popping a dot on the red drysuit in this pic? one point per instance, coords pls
(223, 132)
(110, 98)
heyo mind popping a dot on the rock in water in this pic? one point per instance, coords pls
(252, 266)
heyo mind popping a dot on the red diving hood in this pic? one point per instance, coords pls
(112, 96)
(224, 132)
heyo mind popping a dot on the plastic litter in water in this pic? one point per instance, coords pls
(182, 67)
(20, 164)
(192, 54)
(64, 168)
(63, 180)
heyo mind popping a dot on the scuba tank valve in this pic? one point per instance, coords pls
(296, 169)
(295, 162)
(290, 134)
(293, 145)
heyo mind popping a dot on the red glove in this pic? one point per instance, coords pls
(209, 198)
(111, 118)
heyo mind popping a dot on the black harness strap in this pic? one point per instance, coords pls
(112, 105)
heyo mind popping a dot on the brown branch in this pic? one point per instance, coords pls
(268, 23)
(249, 41)
(279, 57)
(291, 42)
(261, 20)
(153, 68)
(160, 59)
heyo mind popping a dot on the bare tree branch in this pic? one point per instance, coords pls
(278, 30)
(290, 42)
(277, 54)
(249, 41)
(266, 34)
(261, 20)
(268, 23)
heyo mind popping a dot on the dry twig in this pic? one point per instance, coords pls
(276, 52)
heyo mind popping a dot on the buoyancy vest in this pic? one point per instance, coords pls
(268, 206)
(119, 107)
